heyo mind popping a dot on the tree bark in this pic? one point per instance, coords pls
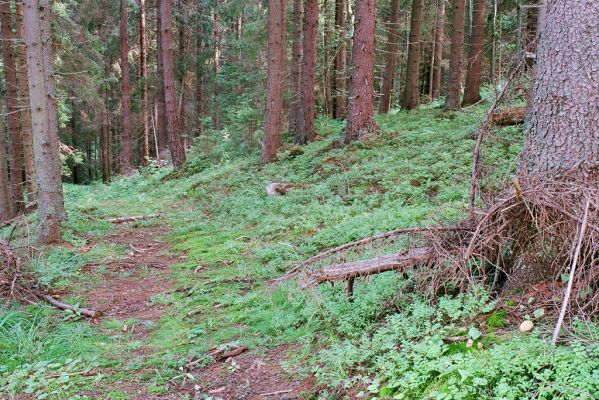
(391, 50)
(475, 54)
(307, 104)
(327, 32)
(411, 96)
(452, 100)
(5, 200)
(126, 145)
(74, 144)
(161, 133)
(216, 37)
(24, 106)
(274, 87)
(172, 126)
(14, 131)
(42, 100)
(360, 111)
(105, 141)
(143, 49)
(296, 70)
(438, 50)
(340, 60)
(562, 123)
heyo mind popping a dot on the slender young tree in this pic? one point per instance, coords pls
(126, 145)
(24, 105)
(340, 60)
(327, 32)
(438, 50)
(105, 140)
(14, 130)
(296, 69)
(36, 21)
(452, 100)
(360, 111)
(172, 126)
(160, 122)
(274, 86)
(475, 54)
(563, 119)
(143, 50)
(391, 50)
(307, 105)
(411, 96)
(5, 200)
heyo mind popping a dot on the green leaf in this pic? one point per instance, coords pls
(474, 333)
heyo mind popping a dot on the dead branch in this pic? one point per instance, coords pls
(120, 220)
(222, 355)
(65, 306)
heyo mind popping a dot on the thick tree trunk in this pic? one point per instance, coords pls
(340, 60)
(105, 141)
(274, 87)
(562, 124)
(411, 96)
(475, 54)
(438, 50)
(296, 70)
(14, 131)
(42, 100)
(126, 145)
(307, 105)
(182, 106)
(24, 106)
(327, 32)
(5, 200)
(452, 100)
(160, 123)
(172, 126)
(391, 50)
(360, 111)
(143, 49)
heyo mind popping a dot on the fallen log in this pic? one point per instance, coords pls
(64, 306)
(120, 220)
(509, 116)
(345, 271)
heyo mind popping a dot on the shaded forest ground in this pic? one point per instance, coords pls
(175, 287)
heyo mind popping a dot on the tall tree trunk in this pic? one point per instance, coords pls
(160, 123)
(391, 50)
(216, 36)
(274, 88)
(105, 141)
(76, 177)
(143, 49)
(307, 104)
(200, 84)
(182, 106)
(327, 31)
(475, 55)
(36, 20)
(562, 123)
(5, 200)
(438, 50)
(340, 59)
(360, 111)
(296, 70)
(14, 131)
(411, 96)
(172, 126)
(452, 100)
(24, 106)
(126, 145)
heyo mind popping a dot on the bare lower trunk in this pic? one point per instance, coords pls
(475, 55)
(143, 46)
(105, 141)
(172, 126)
(562, 123)
(36, 18)
(411, 96)
(438, 50)
(452, 100)
(14, 131)
(5, 200)
(326, 45)
(391, 49)
(340, 60)
(307, 106)
(296, 69)
(360, 112)
(24, 106)
(216, 37)
(126, 145)
(274, 88)
(161, 134)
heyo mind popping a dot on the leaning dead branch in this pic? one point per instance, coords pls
(88, 312)
(120, 220)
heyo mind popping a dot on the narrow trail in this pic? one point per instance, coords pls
(125, 292)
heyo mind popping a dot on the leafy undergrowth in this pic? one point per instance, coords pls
(387, 343)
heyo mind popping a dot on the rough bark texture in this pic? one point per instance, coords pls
(36, 18)
(296, 69)
(172, 126)
(274, 86)
(452, 100)
(411, 96)
(143, 49)
(360, 111)
(216, 38)
(340, 99)
(161, 134)
(475, 54)
(305, 131)
(391, 50)
(126, 145)
(14, 131)
(562, 125)
(438, 50)
(327, 32)
(5, 200)
(105, 141)
(24, 106)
